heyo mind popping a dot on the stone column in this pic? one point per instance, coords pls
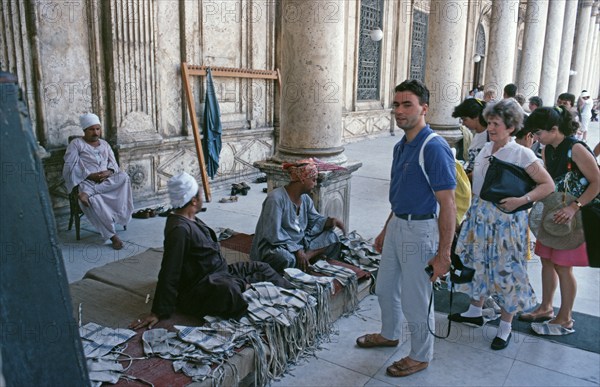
(312, 67)
(503, 38)
(530, 71)
(444, 68)
(566, 48)
(589, 59)
(594, 86)
(554, 31)
(311, 60)
(581, 38)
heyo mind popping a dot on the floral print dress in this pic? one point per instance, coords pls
(494, 243)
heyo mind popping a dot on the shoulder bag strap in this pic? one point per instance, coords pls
(422, 156)
(422, 164)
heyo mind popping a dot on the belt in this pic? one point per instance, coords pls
(415, 217)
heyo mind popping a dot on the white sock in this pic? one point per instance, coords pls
(504, 330)
(473, 311)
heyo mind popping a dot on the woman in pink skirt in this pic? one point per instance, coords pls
(575, 171)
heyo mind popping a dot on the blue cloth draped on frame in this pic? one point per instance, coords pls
(211, 128)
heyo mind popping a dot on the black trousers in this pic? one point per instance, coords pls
(220, 294)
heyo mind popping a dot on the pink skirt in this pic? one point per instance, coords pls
(573, 257)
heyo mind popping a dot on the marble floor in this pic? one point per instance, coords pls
(465, 359)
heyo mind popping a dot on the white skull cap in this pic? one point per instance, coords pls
(182, 188)
(88, 119)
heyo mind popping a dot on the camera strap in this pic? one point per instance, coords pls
(433, 287)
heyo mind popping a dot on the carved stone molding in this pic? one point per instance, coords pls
(366, 123)
(138, 176)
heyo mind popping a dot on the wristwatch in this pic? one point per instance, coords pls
(578, 204)
(528, 198)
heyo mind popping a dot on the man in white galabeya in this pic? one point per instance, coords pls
(104, 190)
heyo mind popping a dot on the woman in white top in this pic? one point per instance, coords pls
(494, 241)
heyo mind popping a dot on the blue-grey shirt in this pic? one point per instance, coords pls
(281, 223)
(409, 191)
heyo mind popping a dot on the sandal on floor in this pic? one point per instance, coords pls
(536, 318)
(141, 214)
(230, 199)
(373, 340)
(549, 329)
(402, 368)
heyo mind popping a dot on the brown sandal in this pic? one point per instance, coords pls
(373, 340)
(402, 368)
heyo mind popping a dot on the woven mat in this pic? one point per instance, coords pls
(586, 336)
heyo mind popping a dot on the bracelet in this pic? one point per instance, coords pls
(578, 203)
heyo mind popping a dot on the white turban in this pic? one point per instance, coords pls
(182, 188)
(88, 119)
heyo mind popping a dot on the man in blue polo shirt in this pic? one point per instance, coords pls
(415, 234)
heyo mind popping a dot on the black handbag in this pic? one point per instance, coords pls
(505, 180)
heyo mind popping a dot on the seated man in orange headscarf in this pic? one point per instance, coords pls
(290, 232)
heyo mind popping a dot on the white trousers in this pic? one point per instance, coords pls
(403, 287)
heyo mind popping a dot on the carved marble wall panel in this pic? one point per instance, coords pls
(64, 88)
(15, 57)
(366, 123)
(137, 127)
(168, 59)
(133, 81)
(241, 150)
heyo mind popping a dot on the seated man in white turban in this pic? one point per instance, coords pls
(104, 190)
(194, 277)
(290, 232)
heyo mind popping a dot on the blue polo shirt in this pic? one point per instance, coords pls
(409, 191)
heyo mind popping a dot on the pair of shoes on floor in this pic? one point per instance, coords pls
(549, 328)
(146, 213)
(498, 343)
(402, 367)
(373, 340)
(229, 199)
(240, 188)
(472, 321)
(536, 318)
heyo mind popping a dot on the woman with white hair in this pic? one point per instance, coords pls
(493, 239)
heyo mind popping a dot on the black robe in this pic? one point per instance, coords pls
(194, 277)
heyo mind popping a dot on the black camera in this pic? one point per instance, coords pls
(462, 275)
(429, 271)
(459, 273)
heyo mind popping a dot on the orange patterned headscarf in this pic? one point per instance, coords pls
(301, 169)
